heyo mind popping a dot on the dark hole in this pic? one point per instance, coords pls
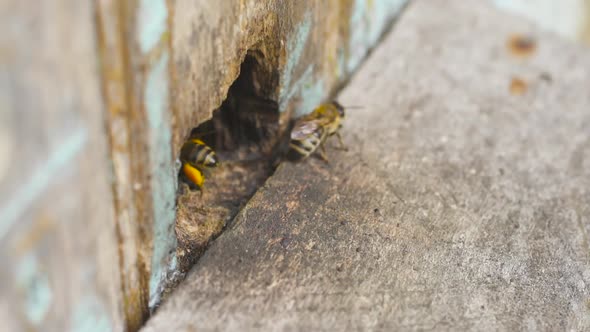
(247, 123)
(244, 133)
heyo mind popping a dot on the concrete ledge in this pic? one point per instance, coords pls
(463, 202)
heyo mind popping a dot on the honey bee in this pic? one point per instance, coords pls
(196, 156)
(311, 131)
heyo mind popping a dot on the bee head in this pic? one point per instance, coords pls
(211, 160)
(339, 107)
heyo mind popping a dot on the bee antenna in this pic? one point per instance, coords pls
(353, 107)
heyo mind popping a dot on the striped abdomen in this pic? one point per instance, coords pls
(198, 154)
(305, 146)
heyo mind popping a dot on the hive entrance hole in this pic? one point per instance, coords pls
(246, 125)
(244, 132)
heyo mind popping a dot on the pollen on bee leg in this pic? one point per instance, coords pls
(194, 175)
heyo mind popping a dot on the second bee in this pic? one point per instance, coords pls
(196, 156)
(311, 131)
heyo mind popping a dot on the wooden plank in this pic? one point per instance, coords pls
(114, 21)
(460, 204)
(58, 245)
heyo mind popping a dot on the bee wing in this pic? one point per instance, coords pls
(303, 129)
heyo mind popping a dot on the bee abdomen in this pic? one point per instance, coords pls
(197, 153)
(309, 144)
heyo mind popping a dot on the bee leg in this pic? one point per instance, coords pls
(342, 146)
(323, 153)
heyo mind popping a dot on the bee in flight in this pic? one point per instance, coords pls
(311, 131)
(196, 156)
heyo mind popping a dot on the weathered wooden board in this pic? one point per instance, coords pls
(58, 248)
(463, 202)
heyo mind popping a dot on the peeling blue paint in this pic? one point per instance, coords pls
(382, 12)
(36, 288)
(367, 23)
(311, 91)
(163, 182)
(311, 97)
(90, 316)
(305, 78)
(152, 19)
(40, 179)
(152, 25)
(295, 47)
(358, 42)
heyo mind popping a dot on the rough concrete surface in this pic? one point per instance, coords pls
(461, 204)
